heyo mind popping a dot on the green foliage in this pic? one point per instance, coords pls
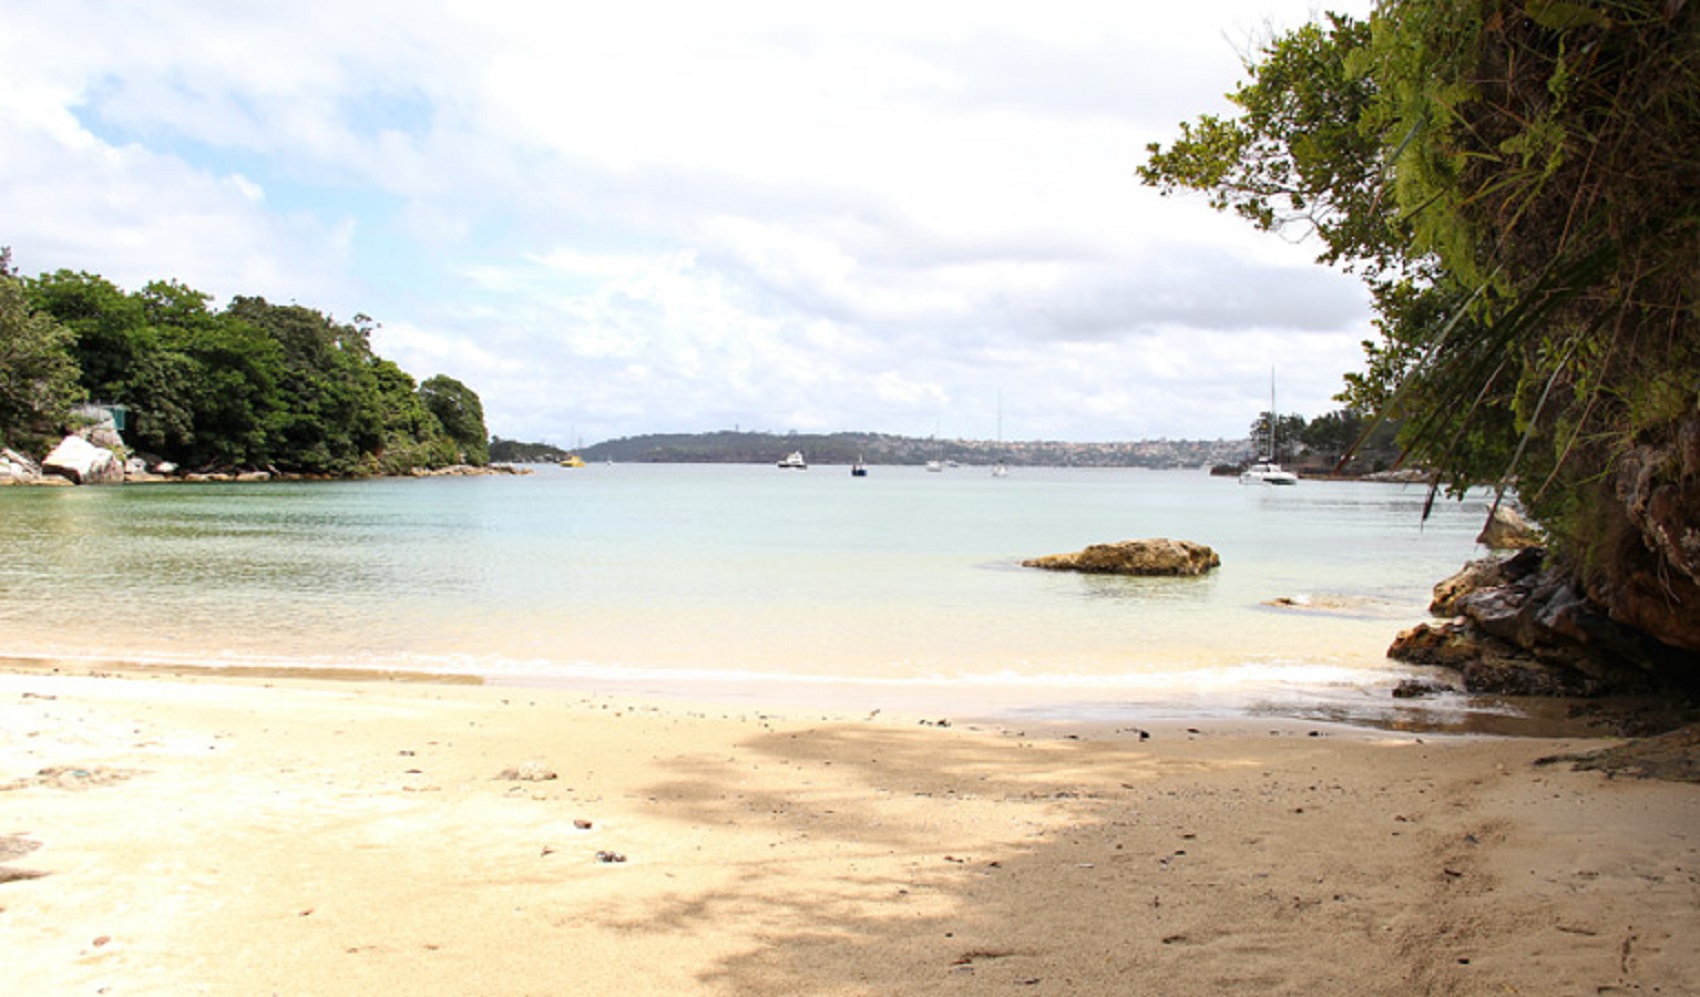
(518, 452)
(1519, 179)
(1554, 175)
(1297, 155)
(38, 374)
(1347, 434)
(252, 385)
(412, 436)
(233, 397)
(1289, 434)
(330, 415)
(108, 325)
(461, 414)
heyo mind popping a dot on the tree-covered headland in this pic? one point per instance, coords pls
(250, 385)
(1518, 185)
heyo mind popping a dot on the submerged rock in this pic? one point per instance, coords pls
(1420, 688)
(1159, 557)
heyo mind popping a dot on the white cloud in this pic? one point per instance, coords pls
(666, 216)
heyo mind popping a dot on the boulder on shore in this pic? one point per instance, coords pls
(1134, 557)
(83, 463)
(1521, 628)
(16, 469)
(1487, 664)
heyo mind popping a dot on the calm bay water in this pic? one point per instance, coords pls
(903, 587)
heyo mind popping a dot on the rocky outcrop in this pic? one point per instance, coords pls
(1620, 613)
(1489, 572)
(1520, 628)
(466, 471)
(83, 463)
(1646, 569)
(1486, 664)
(1134, 557)
(16, 469)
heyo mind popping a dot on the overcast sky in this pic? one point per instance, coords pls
(618, 218)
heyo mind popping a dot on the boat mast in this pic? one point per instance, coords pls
(1271, 414)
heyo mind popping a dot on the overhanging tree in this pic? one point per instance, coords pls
(1517, 182)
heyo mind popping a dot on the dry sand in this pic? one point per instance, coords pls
(205, 835)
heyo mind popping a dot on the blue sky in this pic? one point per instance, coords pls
(667, 217)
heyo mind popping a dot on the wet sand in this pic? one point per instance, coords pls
(203, 833)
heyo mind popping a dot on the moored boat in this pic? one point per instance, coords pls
(1266, 471)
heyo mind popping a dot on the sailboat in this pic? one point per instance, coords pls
(998, 469)
(1266, 471)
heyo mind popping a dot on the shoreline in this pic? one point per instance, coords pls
(209, 833)
(943, 703)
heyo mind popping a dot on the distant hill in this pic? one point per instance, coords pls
(733, 447)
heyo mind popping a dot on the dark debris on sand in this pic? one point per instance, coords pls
(1673, 757)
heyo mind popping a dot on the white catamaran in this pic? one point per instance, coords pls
(1266, 471)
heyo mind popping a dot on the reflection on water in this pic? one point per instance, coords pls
(1147, 591)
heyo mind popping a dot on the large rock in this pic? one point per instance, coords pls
(83, 463)
(1487, 664)
(1488, 572)
(1522, 630)
(1133, 557)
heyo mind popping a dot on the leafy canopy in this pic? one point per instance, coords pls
(38, 377)
(1517, 184)
(251, 385)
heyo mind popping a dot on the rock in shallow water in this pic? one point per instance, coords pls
(1159, 557)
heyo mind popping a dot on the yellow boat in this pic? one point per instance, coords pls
(572, 460)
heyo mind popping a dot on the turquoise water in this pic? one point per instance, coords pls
(745, 580)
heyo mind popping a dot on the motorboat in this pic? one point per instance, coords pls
(794, 461)
(858, 469)
(572, 460)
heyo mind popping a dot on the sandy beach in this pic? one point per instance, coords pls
(216, 835)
